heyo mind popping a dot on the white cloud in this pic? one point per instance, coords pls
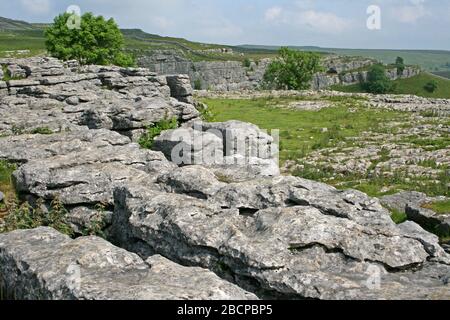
(273, 13)
(219, 28)
(411, 13)
(36, 6)
(313, 20)
(324, 22)
(162, 23)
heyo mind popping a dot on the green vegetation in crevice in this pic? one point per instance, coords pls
(42, 130)
(153, 131)
(24, 216)
(198, 84)
(6, 184)
(97, 223)
(6, 75)
(397, 216)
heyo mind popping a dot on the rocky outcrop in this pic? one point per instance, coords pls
(233, 150)
(215, 75)
(439, 223)
(298, 246)
(60, 97)
(235, 75)
(325, 80)
(227, 230)
(42, 264)
(81, 168)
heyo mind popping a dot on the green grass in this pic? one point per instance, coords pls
(6, 185)
(414, 85)
(301, 132)
(13, 41)
(440, 207)
(398, 217)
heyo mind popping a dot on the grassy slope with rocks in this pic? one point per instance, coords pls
(414, 85)
(315, 140)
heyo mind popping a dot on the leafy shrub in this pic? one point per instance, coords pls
(377, 80)
(400, 65)
(198, 84)
(292, 70)
(247, 63)
(431, 86)
(97, 223)
(205, 112)
(147, 139)
(96, 41)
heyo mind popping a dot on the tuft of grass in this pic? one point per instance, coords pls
(147, 139)
(440, 207)
(398, 217)
(6, 184)
(427, 143)
(414, 85)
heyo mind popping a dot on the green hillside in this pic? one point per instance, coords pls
(9, 24)
(19, 35)
(430, 60)
(414, 85)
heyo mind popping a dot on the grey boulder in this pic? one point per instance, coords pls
(43, 264)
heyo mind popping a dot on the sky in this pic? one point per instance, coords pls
(403, 24)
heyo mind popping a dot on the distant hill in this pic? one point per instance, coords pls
(19, 35)
(9, 24)
(430, 60)
(414, 85)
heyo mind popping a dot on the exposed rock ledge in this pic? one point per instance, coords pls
(43, 264)
(274, 236)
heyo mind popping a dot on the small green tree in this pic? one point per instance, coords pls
(400, 64)
(431, 86)
(95, 41)
(292, 70)
(377, 80)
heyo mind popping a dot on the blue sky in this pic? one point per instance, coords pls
(405, 24)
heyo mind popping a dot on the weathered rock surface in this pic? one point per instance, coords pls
(274, 236)
(80, 167)
(401, 200)
(293, 246)
(59, 96)
(235, 75)
(413, 204)
(233, 150)
(217, 75)
(43, 264)
(430, 219)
